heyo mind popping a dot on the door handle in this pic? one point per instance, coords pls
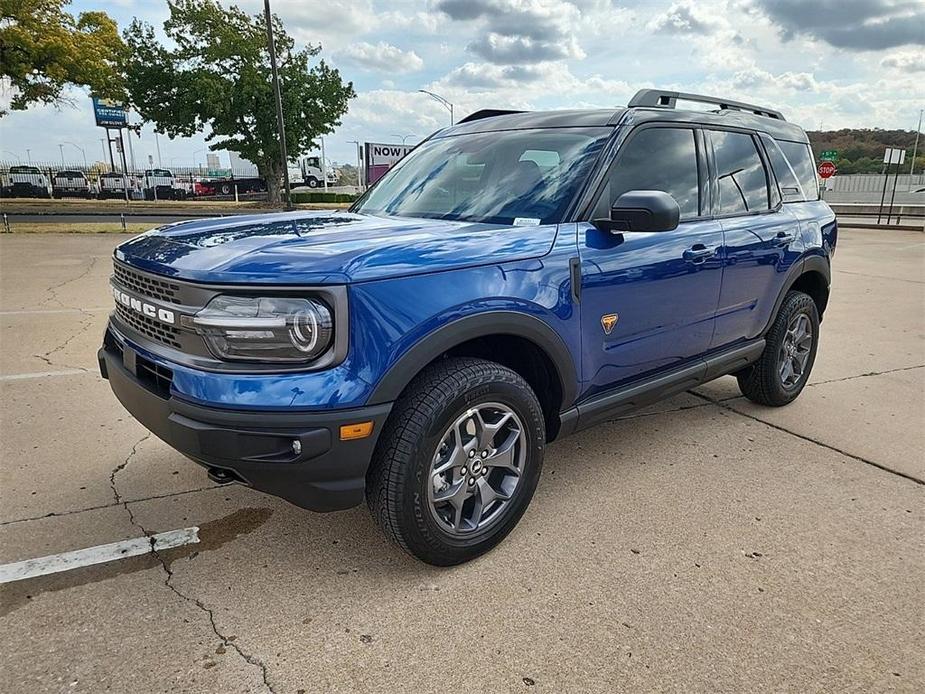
(698, 253)
(784, 238)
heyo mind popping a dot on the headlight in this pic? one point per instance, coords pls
(267, 329)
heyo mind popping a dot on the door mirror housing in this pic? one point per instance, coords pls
(642, 210)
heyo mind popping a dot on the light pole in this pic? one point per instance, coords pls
(404, 137)
(324, 166)
(359, 165)
(81, 151)
(61, 149)
(29, 156)
(103, 145)
(279, 104)
(915, 147)
(446, 104)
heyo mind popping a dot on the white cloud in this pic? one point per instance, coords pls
(383, 57)
(905, 61)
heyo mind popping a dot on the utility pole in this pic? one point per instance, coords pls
(915, 147)
(279, 103)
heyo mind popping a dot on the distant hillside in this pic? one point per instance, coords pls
(861, 151)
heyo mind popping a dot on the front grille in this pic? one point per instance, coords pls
(157, 378)
(150, 328)
(147, 286)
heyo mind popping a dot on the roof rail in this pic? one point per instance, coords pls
(665, 99)
(486, 113)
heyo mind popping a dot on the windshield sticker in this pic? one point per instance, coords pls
(526, 222)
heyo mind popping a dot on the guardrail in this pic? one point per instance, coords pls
(872, 216)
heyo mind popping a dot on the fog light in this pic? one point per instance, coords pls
(360, 430)
(297, 447)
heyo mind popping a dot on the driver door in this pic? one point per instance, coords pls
(662, 287)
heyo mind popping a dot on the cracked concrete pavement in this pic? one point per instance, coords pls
(702, 544)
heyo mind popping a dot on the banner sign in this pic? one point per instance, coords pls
(108, 113)
(382, 157)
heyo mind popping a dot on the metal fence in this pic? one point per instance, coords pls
(868, 188)
(97, 168)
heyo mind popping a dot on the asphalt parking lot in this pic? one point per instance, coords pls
(703, 544)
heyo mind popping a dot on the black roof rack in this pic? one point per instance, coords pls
(665, 99)
(486, 113)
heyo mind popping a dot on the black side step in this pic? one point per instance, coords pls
(633, 396)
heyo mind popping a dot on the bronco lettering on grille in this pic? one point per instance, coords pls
(143, 307)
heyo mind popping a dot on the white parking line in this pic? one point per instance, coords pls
(44, 374)
(34, 311)
(101, 554)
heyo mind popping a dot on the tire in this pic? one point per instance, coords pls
(312, 183)
(401, 477)
(767, 381)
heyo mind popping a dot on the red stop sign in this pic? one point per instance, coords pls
(827, 169)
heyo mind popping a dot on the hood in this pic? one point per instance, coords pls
(325, 247)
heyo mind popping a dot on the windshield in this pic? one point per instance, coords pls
(507, 177)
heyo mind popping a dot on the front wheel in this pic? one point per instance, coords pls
(783, 369)
(458, 461)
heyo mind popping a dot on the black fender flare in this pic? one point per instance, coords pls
(809, 263)
(464, 329)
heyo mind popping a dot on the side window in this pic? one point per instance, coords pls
(743, 182)
(655, 159)
(790, 187)
(800, 157)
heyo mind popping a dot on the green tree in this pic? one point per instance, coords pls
(43, 49)
(216, 73)
(347, 175)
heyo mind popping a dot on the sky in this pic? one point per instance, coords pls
(825, 64)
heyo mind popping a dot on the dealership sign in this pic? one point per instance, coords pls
(108, 113)
(382, 157)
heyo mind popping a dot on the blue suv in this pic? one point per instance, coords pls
(516, 278)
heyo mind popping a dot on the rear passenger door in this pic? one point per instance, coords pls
(648, 299)
(762, 237)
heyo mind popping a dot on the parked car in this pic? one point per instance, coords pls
(160, 184)
(72, 183)
(26, 182)
(113, 184)
(518, 277)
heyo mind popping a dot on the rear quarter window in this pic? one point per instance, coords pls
(800, 157)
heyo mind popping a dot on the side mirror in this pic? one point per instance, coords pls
(642, 210)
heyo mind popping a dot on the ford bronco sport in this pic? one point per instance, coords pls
(516, 278)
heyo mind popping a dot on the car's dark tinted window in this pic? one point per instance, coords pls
(790, 187)
(743, 183)
(656, 159)
(800, 157)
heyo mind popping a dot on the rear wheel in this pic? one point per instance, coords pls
(781, 373)
(458, 462)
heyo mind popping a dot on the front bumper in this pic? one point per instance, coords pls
(321, 473)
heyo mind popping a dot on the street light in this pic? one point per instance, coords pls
(61, 149)
(404, 137)
(446, 104)
(280, 123)
(915, 148)
(81, 151)
(14, 155)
